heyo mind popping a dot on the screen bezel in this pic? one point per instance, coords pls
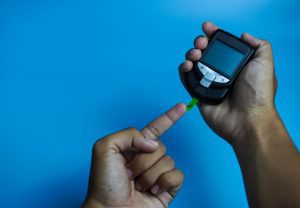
(232, 42)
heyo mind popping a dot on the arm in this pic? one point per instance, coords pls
(248, 120)
(270, 163)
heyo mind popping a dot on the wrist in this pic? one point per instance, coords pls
(92, 203)
(252, 133)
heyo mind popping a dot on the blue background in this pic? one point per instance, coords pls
(74, 71)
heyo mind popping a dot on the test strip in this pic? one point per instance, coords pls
(192, 104)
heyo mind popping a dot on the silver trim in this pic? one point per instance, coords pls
(202, 68)
(211, 75)
(221, 79)
(204, 82)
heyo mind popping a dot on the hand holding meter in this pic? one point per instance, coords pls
(211, 78)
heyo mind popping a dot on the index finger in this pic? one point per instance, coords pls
(157, 127)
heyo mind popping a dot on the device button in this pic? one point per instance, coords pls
(210, 76)
(211, 71)
(221, 79)
(202, 68)
(204, 82)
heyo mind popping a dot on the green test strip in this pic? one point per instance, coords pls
(192, 104)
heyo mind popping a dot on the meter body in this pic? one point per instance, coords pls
(213, 75)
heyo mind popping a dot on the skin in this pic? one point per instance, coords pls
(130, 168)
(249, 121)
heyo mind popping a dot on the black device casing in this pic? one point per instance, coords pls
(216, 92)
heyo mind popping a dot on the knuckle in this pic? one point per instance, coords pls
(154, 131)
(99, 146)
(162, 148)
(132, 130)
(180, 175)
(267, 43)
(170, 162)
(165, 180)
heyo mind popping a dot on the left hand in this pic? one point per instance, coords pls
(130, 168)
(251, 99)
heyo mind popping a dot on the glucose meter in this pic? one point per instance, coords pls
(213, 75)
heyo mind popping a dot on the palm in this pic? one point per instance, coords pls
(115, 188)
(250, 90)
(146, 199)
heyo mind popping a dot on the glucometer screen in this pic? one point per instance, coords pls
(223, 57)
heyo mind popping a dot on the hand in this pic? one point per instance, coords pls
(130, 168)
(252, 97)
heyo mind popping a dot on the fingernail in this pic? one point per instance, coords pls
(182, 108)
(155, 189)
(138, 187)
(151, 142)
(256, 41)
(129, 172)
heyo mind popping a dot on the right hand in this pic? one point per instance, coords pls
(252, 97)
(130, 168)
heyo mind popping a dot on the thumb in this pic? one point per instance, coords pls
(109, 181)
(263, 47)
(127, 139)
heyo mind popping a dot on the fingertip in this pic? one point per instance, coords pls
(129, 172)
(176, 112)
(155, 189)
(209, 28)
(186, 66)
(180, 108)
(204, 24)
(193, 54)
(250, 39)
(201, 42)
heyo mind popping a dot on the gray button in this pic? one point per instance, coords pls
(210, 76)
(221, 79)
(202, 68)
(204, 82)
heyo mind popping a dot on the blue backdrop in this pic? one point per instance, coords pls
(74, 71)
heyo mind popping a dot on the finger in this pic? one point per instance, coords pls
(168, 185)
(185, 66)
(144, 161)
(108, 159)
(251, 40)
(209, 28)
(130, 153)
(157, 127)
(193, 55)
(146, 180)
(201, 42)
(275, 84)
(123, 140)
